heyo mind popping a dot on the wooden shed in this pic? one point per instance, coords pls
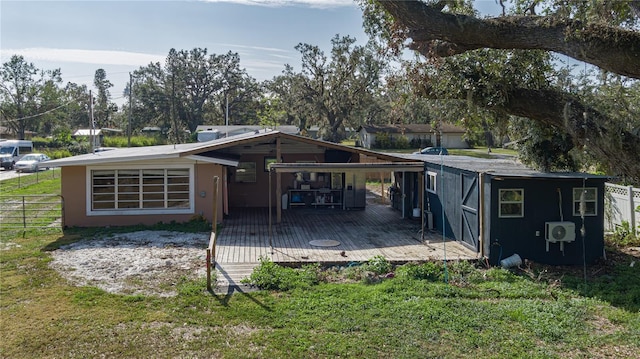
(499, 208)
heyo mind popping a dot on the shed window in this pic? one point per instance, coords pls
(141, 189)
(430, 180)
(590, 201)
(511, 203)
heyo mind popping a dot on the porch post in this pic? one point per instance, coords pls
(278, 183)
(632, 209)
(382, 197)
(421, 194)
(270, 210)
(214, 220)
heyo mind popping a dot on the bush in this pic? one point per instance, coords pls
(55, 154)
(271, 276)
(431, 271)
(136, 141)
(378, 265)
(383, 141)
(623, 236)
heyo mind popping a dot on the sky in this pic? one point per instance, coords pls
(82, 36)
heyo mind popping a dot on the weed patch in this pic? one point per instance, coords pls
(271, 276)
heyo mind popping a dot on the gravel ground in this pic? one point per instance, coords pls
(145, 262)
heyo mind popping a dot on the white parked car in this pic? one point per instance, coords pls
(32, 162)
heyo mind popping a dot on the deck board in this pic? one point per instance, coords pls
(363, 234)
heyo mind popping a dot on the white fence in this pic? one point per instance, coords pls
(620, 205)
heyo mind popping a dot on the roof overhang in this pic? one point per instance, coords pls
(216, 160)
(347, 167)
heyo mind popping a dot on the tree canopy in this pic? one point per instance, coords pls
(511, 64)
(558, 79)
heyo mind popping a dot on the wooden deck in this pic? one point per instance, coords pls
(362, 234)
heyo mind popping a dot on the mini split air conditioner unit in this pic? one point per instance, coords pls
(559, 232)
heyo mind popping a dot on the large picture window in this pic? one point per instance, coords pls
(147, 190)
(511, 202)
(590, 201)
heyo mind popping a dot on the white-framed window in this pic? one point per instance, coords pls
(430, 182)
(146, 190)
(590, 195)
(511, 203)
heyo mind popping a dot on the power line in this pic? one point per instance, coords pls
(42, 113)
(53, 109)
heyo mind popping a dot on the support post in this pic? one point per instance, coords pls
(209, 287)
(211, 249)
(421, 192)
(382, 196)
(278, 183)
(632, 209)
(270, 210)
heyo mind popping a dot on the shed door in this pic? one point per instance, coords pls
(469, 204)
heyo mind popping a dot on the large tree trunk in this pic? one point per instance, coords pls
(436, 33)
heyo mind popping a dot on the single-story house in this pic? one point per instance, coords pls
(264, 169)
(314, 132)
(89, 133)
(499, 207)
(232, 130)
(423, 135)
(495, 207)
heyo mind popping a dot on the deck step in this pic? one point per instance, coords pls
(229, 275)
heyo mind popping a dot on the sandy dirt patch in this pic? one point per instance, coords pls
(144, 262)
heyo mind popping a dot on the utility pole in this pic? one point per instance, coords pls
(130, 109)
(92, 124)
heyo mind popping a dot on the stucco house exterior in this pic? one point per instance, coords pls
(147, 185)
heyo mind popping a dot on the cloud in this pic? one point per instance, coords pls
(271, 49)
(97, 57)
(321, 4)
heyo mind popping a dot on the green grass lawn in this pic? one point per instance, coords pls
(535, 312)
(478, 313)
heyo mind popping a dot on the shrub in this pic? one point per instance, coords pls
(55, 154)
(136, 141)
(623, 236)
(271, 276)
(431, 271)
(378, 265)
(401, 142)
(383, 141)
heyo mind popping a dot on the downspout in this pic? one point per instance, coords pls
(481, 213)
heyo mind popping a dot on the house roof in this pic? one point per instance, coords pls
(203, 151)
(88, 132)
(497, 167)
(411, 128)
